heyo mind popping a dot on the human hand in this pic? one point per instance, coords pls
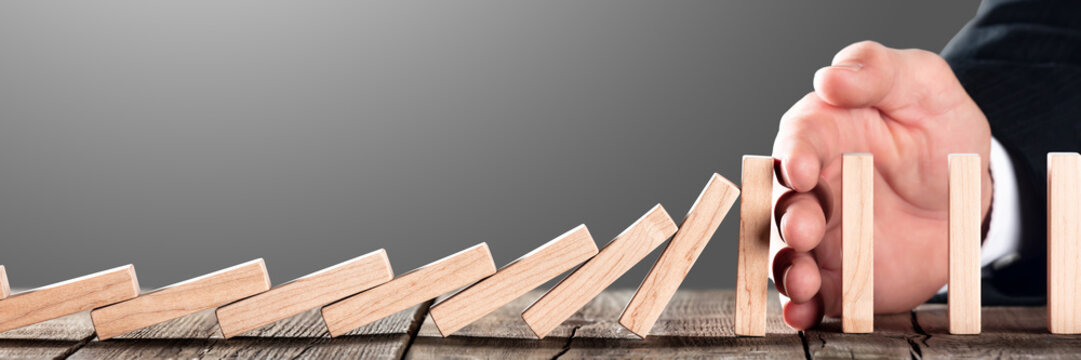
(906, 108)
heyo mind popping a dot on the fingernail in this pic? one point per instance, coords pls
(850, 66)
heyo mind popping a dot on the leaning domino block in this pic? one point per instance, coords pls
(412, 288)
(964, 243)
(585, 283)
(752, 270)
(514, 280)
(1063, 242)
(181, 299)
(5, 290)
(679, 256)
(68, 297)
(309, 292)
(857, 243)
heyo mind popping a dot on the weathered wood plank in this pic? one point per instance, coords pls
(73, 327)
(36, 349)
(300, 336)
(48, 339)
(501, 334)
(1008, 333)
(892, 338)
(695, 324)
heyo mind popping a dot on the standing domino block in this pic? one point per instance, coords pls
(964, 243)
(412, 288)
(679, 256)
(585, 283)
(752, 269)
(5, 290)
(857, 243)
(514, 280)
(1063, 243)
(309, 292)
(181, 299)
(69, 297)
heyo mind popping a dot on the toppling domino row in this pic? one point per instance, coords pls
(364, 289)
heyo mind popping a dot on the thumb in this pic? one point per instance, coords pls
(868, 74)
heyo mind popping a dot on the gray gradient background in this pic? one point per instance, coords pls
(188, 136)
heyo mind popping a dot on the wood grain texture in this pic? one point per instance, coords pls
(752, 265)
(1008, 333)
(301, 336)
(965, 239)
(73, 327)
(894, 338)
(68, 297)
(47, 339)
(696, 324)
(857, 243)
(5, 289)
(1063, 243)
(180, 299)
(311, 291)
(514, 280)
(589, 280)
(412, 288)
(679, 256)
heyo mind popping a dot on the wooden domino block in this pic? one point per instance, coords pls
(752, 269)
(309, 292)
(965, 239)
(585, 283)
(68, 297)
(412, 288)
(514, 280)
(1063, 243)
(184, 298)
(857, 243)
(5, 289)
(679, 256)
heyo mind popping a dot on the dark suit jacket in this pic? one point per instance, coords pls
(1021, 62)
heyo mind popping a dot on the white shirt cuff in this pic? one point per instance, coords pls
(1004, 228)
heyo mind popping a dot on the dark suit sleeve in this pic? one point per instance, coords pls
(1021, 62)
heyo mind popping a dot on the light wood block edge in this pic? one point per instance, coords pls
(857, 243)
(180, 299)
(965, 238)
(1063, 243)
(675, 262)
(69, 297)
(422, 284)
(5, 288)
(752, 269)
(514, 280)
(308, 292)
(590, 279)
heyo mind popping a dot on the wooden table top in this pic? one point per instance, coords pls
(697, 324)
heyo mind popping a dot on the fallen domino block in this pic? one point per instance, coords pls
(5, 290)
(752, 269)
(965, 238)
(309, 292)
(412, 288)
(585, 283)
(1063, 242)
(184, 298)
(514, 280)
(679, 256)
(857, 243)
(68, 297)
